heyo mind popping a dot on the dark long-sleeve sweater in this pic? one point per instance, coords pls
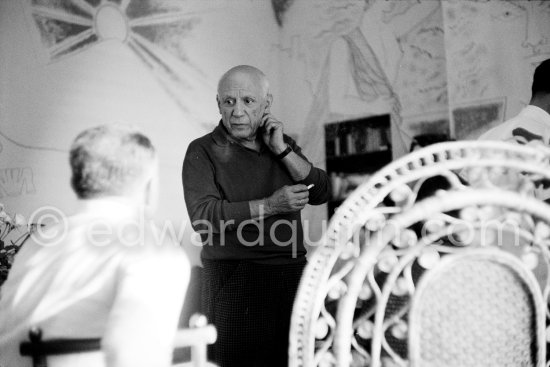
(220, 177)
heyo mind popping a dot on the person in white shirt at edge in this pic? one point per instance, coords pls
(105, 272)
(532, 124)
(533, 121)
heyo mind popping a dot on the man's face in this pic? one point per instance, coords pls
(242, 103)
(533, 18)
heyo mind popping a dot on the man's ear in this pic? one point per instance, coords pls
(151, 189)
(148, 193)
(268, 101)
(218, 103)
(151, 196)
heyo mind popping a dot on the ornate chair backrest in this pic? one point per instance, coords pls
(361, 297)
(477, 308)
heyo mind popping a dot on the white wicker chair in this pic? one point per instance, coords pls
(391, 263)
(76, 352)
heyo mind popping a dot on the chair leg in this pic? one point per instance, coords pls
(38, 360)
(198, 356)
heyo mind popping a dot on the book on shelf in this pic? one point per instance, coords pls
(350, 143)
(356, 139)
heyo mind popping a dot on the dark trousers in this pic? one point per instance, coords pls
(250, 304)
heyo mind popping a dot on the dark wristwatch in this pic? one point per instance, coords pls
(284, 153)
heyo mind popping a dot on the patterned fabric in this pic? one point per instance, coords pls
(250, 305)
(476, 313)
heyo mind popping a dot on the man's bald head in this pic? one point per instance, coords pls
(253, 72)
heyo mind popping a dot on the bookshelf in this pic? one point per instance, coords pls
(355, 149)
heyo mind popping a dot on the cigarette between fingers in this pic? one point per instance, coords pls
(310, 186)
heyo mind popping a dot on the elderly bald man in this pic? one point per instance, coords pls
(245, 184)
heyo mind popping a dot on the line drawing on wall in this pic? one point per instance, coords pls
(25, 146)
(16, 181)
(364, 67)
(147, 27)
(494, 48)
(280, 7)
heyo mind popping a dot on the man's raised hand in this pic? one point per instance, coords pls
(288, 199)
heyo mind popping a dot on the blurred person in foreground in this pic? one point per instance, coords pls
(245, 184)
(104, 272)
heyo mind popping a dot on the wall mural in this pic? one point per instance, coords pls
(280, 7)
(376, 63)
(425, 62)
(16, 181)
(493, 48)
(149, 28)
(71, 64)
(435, 66)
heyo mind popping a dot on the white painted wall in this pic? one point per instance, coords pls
(45, 103)
(436, 56)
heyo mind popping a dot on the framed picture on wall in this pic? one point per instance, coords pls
(469, 121)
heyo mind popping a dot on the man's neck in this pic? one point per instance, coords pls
(111, 206)
(541, 101)
(250, 143)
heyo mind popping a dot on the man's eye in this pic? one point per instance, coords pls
(229, 102)
(248, 100)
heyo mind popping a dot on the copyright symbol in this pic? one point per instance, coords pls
(51, 225)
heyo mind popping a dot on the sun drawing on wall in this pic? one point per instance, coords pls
(152, 29)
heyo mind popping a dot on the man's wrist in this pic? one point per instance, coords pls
(268, 209)
(280, 154)
(279, 148)
(260, 208)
